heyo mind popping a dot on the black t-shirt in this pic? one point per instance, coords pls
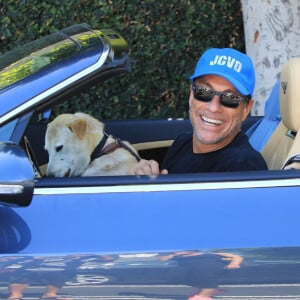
(237, 156)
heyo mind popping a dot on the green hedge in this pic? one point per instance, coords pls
(166, 39)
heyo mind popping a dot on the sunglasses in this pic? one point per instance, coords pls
(227, 99)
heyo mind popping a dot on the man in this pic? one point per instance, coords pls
(220, 100)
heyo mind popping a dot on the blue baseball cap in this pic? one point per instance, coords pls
(229, 63)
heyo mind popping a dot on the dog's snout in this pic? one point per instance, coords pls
(50, 174)
(58, 174)
(67, 174)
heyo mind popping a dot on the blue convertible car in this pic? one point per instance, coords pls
(186, 236)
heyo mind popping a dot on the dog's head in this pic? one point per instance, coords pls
(70, 139)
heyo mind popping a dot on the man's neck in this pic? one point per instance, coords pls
(200, 147)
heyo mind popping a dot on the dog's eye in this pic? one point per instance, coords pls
(58, 148)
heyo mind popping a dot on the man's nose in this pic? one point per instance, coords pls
(215, 104)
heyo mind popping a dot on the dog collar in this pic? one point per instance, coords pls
(101, 149)
(98, 150)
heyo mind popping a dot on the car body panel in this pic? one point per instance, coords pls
(150, 218)
(88, 225)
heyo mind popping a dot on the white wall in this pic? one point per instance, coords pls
(272, 35)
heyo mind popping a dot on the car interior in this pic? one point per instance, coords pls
(153, 137)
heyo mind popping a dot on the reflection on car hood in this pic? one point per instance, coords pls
(157, 275)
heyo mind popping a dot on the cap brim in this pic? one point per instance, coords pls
(239, 87)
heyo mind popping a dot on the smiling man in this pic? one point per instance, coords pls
(220, 100)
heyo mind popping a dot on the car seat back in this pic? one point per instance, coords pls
(260, 132)
(282, 148)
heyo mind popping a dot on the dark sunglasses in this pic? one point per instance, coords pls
(227, 99)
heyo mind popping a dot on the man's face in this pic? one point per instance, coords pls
(215, 125)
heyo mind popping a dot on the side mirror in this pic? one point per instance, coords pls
(16, 176)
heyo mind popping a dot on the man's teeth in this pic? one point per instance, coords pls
(211, 121)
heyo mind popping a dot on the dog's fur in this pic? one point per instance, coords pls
(71, 139)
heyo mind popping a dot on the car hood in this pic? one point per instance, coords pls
(35, 72)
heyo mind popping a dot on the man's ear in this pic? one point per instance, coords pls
(79, 127)
(190, 95)
(247, 109)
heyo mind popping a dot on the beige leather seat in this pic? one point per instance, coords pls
(283, 148)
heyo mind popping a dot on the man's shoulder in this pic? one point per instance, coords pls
(241, 144)
(183, 138)
(244, 155)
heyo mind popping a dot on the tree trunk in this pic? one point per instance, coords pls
(272, 36)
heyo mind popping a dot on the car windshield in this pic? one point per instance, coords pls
(6, 131)
(31, 58)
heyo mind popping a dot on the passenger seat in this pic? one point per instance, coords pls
(282, 150)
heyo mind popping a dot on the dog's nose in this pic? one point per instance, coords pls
(67, 174)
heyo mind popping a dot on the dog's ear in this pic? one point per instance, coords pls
(79, 127)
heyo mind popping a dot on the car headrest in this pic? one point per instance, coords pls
(290, 94)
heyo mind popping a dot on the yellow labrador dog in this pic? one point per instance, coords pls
(78, 145)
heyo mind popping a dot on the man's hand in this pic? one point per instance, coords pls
(147, 167)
